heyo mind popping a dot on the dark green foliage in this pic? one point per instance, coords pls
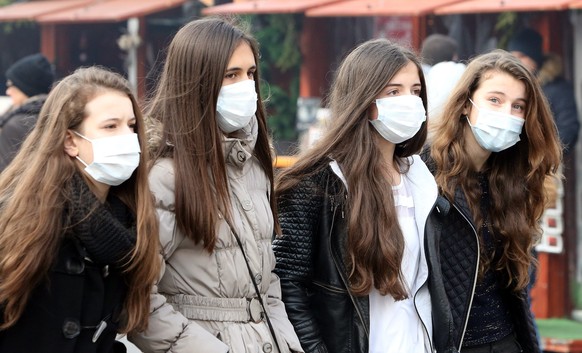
(506, 25)
(282, 106)
(278, 36)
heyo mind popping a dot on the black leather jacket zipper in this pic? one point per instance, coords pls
(475, 278)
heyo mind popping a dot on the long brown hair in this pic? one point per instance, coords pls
(34, 193)
(516, 175)
(375, 243)
(184, 106)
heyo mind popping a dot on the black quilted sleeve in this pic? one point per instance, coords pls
(299, 211)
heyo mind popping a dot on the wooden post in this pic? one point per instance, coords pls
(48, 40)
(141, 60)
(54, 44)
(315, 56)
(551, 294)
(418, 31)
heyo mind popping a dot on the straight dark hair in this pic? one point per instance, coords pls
(375, 243)
(183, 110)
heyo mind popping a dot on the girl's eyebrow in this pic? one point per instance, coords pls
(503, 94)
(239, 68)
(400, 85)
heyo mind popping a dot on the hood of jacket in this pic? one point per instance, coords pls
(551, 69)
(30, 107)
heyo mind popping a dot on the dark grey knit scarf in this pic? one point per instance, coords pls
(106, 231)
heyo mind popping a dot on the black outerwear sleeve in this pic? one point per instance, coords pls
(15, 125)
(299, 211)
(560, 96)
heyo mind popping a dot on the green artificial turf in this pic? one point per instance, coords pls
(560, 328)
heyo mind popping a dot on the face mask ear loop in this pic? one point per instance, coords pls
(80, 160)
(467, 115)
(475, 105)
(83, 137)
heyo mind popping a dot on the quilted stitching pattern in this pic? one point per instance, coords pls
(458, 258)
(298, 215)
(458, 263)
(299, 218)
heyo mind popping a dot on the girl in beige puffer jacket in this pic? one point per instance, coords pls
(212, 181)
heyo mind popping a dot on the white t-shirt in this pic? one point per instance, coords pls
(395, 326)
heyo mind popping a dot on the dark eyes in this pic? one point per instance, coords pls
(234, 75)
(114, 126)
(396, 92)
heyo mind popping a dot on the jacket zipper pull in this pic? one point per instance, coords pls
(100, 328)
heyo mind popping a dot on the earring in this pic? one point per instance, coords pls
(464, 116)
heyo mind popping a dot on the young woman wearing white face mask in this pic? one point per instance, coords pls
(490, 157)
(78, 260)
(353, 213)
(212, 181)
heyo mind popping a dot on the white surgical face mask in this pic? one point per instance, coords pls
(236, 105)
(114, 158)
(496, 131)
(399, 118)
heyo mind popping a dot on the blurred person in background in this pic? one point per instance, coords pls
(437, 48)
(442, 71)
(526, 45)
(28, 81)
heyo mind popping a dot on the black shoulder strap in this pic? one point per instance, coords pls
(254, 284)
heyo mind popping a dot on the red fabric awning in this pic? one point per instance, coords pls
(379, 8)
(266, 6)
(109, 11)
(28, 11)
(481, 6)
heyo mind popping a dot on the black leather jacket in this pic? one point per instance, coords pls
(310, 262)
(452, 249)
(326, 316)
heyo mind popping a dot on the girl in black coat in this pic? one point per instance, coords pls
(495, 145)
(76, 262)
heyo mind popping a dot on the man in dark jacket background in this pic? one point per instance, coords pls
(28, 82)
(526, 45)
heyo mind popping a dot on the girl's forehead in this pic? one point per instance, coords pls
(499, 81)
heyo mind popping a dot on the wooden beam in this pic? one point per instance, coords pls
(141, 61)
(48, 40)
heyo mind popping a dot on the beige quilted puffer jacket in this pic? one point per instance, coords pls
(203, 301)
